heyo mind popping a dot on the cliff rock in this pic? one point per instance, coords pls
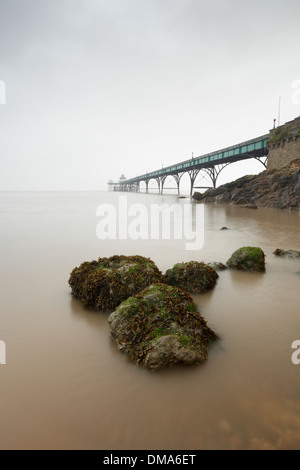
(272, 188)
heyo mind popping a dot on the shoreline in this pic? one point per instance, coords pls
(277, 189)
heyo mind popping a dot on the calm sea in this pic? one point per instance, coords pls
(66, 386)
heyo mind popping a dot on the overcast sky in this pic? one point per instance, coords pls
(96, 88)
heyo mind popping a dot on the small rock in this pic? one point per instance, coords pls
(287, 253)
(247, 258)
(224, 228)
(217, 266)
(197, 196)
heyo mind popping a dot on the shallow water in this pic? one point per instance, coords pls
(66, 386)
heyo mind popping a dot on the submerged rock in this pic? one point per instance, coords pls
(105, 283)
(247, 258)
(194, 277)
(217, 266)
(287, 253)
(249, 206)
(160, 327)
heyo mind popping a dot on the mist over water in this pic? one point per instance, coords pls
(66, 386)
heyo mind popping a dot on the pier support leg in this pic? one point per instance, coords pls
(162, 182)
(214, 172)
(158, 184)
(263, 160)
(193, 175)
(177, 178)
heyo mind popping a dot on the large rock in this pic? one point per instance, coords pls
(194, 277)
(105, 283)
(247, 258)
(271, 188)
(160, 327)
(287, 253)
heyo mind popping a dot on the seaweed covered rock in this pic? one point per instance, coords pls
(159, 327)
(247, 258)
(287, 253)
(194, 277)
(105, 283)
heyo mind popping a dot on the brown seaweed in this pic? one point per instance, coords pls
(104, 284)
(194, 277)
(161, 326)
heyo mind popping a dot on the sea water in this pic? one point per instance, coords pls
(65, 385)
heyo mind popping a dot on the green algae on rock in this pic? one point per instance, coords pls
(194, 277)
(247, 258)
(287, 253)
(104, 284)
(159, 327)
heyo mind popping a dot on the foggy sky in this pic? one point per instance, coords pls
(96, 88)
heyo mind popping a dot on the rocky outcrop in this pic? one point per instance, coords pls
(105, 283)
(247, 258)
(287, 253)
(272, 188)
(193, 277)
(159, 327)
